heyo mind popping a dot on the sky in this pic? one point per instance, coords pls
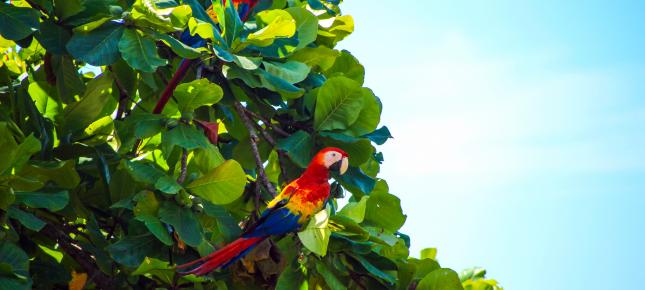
(519, 141)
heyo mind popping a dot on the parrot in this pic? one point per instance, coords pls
(286, 213)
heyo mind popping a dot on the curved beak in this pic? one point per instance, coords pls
(340, 166)
(343, 165)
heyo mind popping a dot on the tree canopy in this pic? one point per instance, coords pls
(139, 134)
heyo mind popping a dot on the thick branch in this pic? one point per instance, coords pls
(77, 253)
(172, 84)
(253, 137)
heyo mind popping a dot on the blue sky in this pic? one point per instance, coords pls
(519, 133)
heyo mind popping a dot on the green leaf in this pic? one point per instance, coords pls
(54, 201)
(232, 24)
(29, 146)
(291, 278)
(48, 106)
(91, 106)
(62, 173)
(184, 136)
(148, 173)
(369, 117)
(17, 22)
(26, 219)
(53, 37)
(299, 147)
(68, 8)
(140, 52)
(384, 210)
(428, 253)
(97, 47)
(197, 93)
(348, 66)
(379, 136)
(440, 279)
(7, 197)
(222, 185)
(330, 279)
(160, 16)
(68, 81)
(157, 268)
(132, 250)
(177, 46)
(290, 71)
(306, 26)
(356, 180)
(183, 221)
(226, 223)
(315, 237)
(206, 159)
(355, 210)
(373, 269)
(341, 27)
(338, 104)
(279, 85)
(272, 24)
(15, 258)
(320, 57)
(8, 145)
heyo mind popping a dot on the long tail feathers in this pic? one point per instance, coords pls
(222, 257)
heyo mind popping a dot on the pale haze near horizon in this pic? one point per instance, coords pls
(518, 132)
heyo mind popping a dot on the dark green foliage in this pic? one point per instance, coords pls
(106, 177)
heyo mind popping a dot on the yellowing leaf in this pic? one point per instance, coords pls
(78, 281)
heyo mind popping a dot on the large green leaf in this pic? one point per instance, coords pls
(146, 211)
(9, 147)
(369, 117)
(197, 93)
(17, 22)
(306, 26)
(155, 267)
(384, 210)
(53, 37)
(440, 279)
(299, 147)
(164, 16)
(131, 250)
(338, 104)
(26, 219)
(51, 200)
(184, 136)
(14, 266)
(320, 58)
(177, 46)
(140, 52)
(330, 278)
(99, 46)
(330, 34)
(68, 82)
(148, 173)
(183, 221)
(291, 278)
(91, 106)
(277, 84)
(315, 237)
(62, 173)
(47, 105)
(290, 71)
(355, 210)
(222, 185)
(273, 24)
(348, 66)
(207, 158)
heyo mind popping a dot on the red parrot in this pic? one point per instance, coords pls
(287, 212)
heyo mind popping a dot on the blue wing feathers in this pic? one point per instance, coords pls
(275, 222)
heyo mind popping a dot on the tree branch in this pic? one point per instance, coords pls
(182, 172)
(253, 137)
(84, 259)
(123, 96)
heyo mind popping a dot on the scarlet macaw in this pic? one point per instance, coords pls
(286, 213)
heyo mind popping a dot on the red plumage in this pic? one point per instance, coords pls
(286, 213)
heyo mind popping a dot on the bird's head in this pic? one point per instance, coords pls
(333, 159)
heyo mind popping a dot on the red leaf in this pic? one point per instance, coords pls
(210, 129)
